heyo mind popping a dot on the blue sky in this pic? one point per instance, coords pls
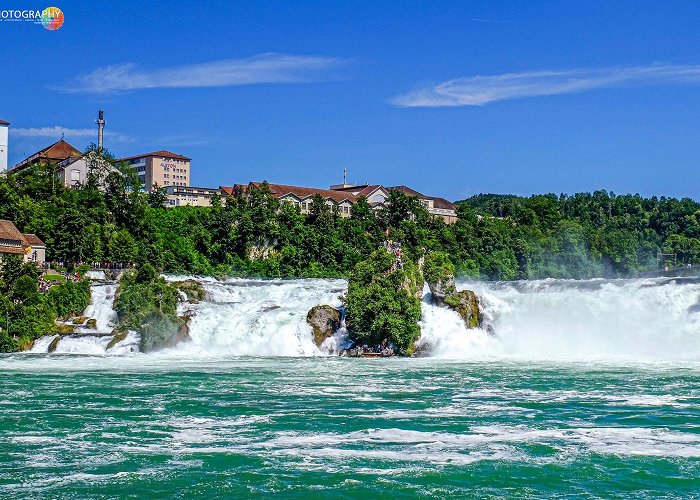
(451, 98)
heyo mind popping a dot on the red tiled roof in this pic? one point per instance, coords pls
(58, 151)
(161, 153)
(443, 203)
(3, 122)
(368, 190)
(227, 189)
(280, 190)
(33, 240)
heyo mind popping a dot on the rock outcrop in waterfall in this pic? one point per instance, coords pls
(439, 273)
(383, 302)
(324, 321)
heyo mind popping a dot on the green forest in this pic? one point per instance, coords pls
(497, 237)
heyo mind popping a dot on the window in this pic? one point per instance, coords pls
(75, 175)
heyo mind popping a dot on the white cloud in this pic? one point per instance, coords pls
(262, 68)
(481, 90)
(56, 132)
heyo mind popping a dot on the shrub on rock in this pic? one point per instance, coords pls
(382, 302)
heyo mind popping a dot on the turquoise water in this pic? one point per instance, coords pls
(157, 426)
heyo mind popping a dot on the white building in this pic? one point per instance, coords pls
(4, 127)
(75, 170)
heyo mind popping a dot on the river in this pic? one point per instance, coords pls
(587, 389)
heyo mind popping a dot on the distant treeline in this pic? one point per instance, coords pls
(496, 237)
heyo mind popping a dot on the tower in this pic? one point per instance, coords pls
(100, 129)
(4, 128)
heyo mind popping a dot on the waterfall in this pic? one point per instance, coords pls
(92, 341)
(101, 307)
(637, 320)
(258, 317)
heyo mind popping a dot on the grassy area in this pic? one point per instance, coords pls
(54, 277)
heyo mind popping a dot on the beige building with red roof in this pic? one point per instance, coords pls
(13, 242)
(163, 168)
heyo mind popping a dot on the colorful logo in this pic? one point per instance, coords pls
(52, 18)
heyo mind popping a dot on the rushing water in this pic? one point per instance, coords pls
(587, 389)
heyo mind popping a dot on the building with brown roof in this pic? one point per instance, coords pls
(72, 166)
(299, 196)
(435, 206)
(377, 195)
(55, 153)
(163, 168)
(344, 196)
(13, 242)
(37, 248)
(374, 193)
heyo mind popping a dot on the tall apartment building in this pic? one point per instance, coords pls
(3, 144)
(160, 167)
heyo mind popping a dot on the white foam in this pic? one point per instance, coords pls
(258, 317)
(566, 320)
(101, 307)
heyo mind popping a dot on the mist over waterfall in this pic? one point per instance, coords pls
(635, 320)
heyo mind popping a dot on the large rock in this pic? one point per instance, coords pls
(193, 289)
(63, 328)
(162, 332)
(183, 332)
(442, 288)
(466, 303)
(119, 335)
(324, 321)
(53, 344)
